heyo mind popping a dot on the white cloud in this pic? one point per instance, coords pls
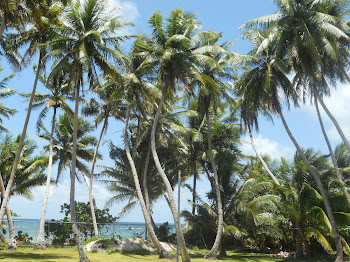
(266, 146)
(128, 10)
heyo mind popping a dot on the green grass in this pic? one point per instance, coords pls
(70, 254)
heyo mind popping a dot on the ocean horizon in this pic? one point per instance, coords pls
(118, 229)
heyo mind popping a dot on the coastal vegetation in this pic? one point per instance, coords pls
(185, 100)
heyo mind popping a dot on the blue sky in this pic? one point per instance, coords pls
(225, 16)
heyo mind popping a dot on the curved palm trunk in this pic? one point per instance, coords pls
(339, 178)
(12, 245)
(195, 175)
(20, 145)
(160, 250)
(261, 159)
(184, 253)
(41, 242)
(216, 246)
(82, 256)
(144, 185)
(321, 188)
(91, 194)
(340, 131)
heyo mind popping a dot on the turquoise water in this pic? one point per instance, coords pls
(121, 229)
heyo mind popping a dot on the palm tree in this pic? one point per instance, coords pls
(28, 175)
(314, 35)
(195, 146)
(139, 94)
(173, 51)
(108, 93)
(63, 141)
(84, 43)
(169, 46)
(6, 112)
(58, 87)
(249, 115)
(10, 14)
(260, 87)
(160, 250)
(5, 92)
(212, 91)
(43, 15)
(225, 138)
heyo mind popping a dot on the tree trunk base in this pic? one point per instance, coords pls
(299, 252)
(186, 260)
(12, 246)
(40, 246)
(165, 254)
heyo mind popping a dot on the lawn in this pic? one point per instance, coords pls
(70, 254)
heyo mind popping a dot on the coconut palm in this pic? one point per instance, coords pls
(260, 86)
(138, 90)
(6, 112)
(314, 35)
(43, 15)
(63, 141)
(5, 92)
(58, 86)
(83, 45)
(173, 51)
(249, 115)
(29, 174)
(225, 139)
(169, 48)
(109, 95)
(160, 250)
(10, 14)
(212, 91)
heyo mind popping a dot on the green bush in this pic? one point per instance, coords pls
(163, 233)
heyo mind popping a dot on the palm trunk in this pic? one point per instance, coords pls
(144, 185)
(20, 145)
(160, 249)
(337, 173)
(340, 131)
(40, 242)
(91, 194)
(303, 238)
(82, 256)
(321, 188)
(261, 159)
(195, 175)
(2, 237)
(12, 245)
(184, 253)
(216, 246)
(2, 25)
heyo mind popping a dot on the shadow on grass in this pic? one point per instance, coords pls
(243, 257)
(23, 256)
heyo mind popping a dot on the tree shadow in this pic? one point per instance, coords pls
(23, 256)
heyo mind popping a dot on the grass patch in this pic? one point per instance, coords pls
(139, 251)
(70, 254)
(87, 241)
